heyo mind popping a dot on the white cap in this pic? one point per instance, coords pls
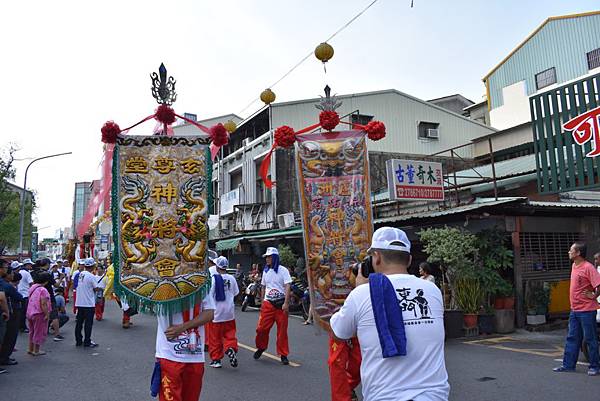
(15, 265)
(89, 262)
(390, 238)
(271, 251)
(212, 255)
(221, 262)
(27, 262)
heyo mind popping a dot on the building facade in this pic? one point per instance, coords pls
(81, 197)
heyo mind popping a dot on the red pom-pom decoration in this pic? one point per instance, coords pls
(285, 136)
(329, 119)
(219, 135)
(165, 114)
(375, 130)
(110, 130)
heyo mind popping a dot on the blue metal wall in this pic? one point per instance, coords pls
(561, 43)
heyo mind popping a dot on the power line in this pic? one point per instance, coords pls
(311, 52)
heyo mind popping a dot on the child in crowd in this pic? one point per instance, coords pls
(61, 305)
(38, 313)
(101, 279)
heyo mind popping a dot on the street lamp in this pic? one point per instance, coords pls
(22, 212)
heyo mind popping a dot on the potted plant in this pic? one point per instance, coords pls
(538, 299)
(486, 321)
(453, 250)
(469, 295)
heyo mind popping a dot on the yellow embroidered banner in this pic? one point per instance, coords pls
(160, 210)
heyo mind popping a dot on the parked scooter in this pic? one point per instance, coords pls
(251, 294)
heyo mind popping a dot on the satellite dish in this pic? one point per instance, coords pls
(105, 227)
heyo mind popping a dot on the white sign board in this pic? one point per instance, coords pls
(415, 180)
(229, 200)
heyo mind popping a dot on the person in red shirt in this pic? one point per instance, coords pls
(583, 291)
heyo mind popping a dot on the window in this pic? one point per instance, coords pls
(545, 78)
(360, 119)
(593, 59)
(236, 179)
(428, 130)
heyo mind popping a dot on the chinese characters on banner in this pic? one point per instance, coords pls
(333, 178)
(584, 128)
(415, 180)
(161, 187)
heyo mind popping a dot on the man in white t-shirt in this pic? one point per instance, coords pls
(87, 282)
(275, 293)
(101, 279)
(180, 350)
(23, 288)
(399, 361)
(223, 339)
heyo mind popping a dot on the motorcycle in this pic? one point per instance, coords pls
(251, 294)
(299, 297)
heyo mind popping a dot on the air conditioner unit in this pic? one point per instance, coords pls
(433, 133)
(285, 220)
(224, 224)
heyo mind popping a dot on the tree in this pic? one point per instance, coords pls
(10, 203)
(287, 257)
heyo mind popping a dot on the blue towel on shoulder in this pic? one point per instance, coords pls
(155, 381)
(219, 288)
(388, 316)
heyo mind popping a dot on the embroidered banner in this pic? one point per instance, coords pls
(333, 178)
(160, 199)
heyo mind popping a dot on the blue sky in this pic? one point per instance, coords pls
(71, 65)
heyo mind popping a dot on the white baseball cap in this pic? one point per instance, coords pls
(89, 262)
(221, 262)
(212, 255)
(390, 238)
(15, 265)
(271, 251)
(27, 262)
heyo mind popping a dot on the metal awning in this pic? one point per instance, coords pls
(479, 203)
(230, 243)
(288, 232)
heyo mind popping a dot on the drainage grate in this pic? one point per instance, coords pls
(486, 379)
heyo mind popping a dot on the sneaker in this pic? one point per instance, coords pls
(91, 345)
(78, 344)
(593, 372)
(58, 338)
(258, 353)
(3, 371)
(25, 331)
(563, 369)
(216, 364)
(284, 360)
(8, 362)
(232, 357)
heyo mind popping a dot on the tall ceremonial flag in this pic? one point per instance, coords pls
(334, 188)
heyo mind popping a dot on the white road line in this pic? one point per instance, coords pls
(271, 356)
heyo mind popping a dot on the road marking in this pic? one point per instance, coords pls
(497, 341)
(578, 363)
(271, 356)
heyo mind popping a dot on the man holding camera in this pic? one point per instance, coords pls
(399, 321)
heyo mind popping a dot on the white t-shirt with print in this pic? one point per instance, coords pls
(224, 310)
(188, 347)
(86, 284)
(274, 283)
(25, 283)
(213, 270)
(421, 374)
(101, 280)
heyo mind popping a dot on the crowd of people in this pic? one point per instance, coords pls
(34, 297)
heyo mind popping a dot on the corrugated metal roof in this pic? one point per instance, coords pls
(505, 168)
(477, 204)
(564, 204)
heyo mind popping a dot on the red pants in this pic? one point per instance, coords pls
(344, 368)
(269, 315)
(180, 381)
(99, 310)
(222, 337)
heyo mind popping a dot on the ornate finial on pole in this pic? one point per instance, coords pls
(163, 89)
(328, 103)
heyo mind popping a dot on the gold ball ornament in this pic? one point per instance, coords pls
(324, 52)
(267, 96)
(230, 126)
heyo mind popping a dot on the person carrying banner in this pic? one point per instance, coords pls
(223, 339)
(275, 294)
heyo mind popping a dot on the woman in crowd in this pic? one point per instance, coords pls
(38, 313)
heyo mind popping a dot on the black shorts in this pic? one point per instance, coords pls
(53, 314)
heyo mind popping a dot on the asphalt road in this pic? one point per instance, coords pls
(516, 367)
